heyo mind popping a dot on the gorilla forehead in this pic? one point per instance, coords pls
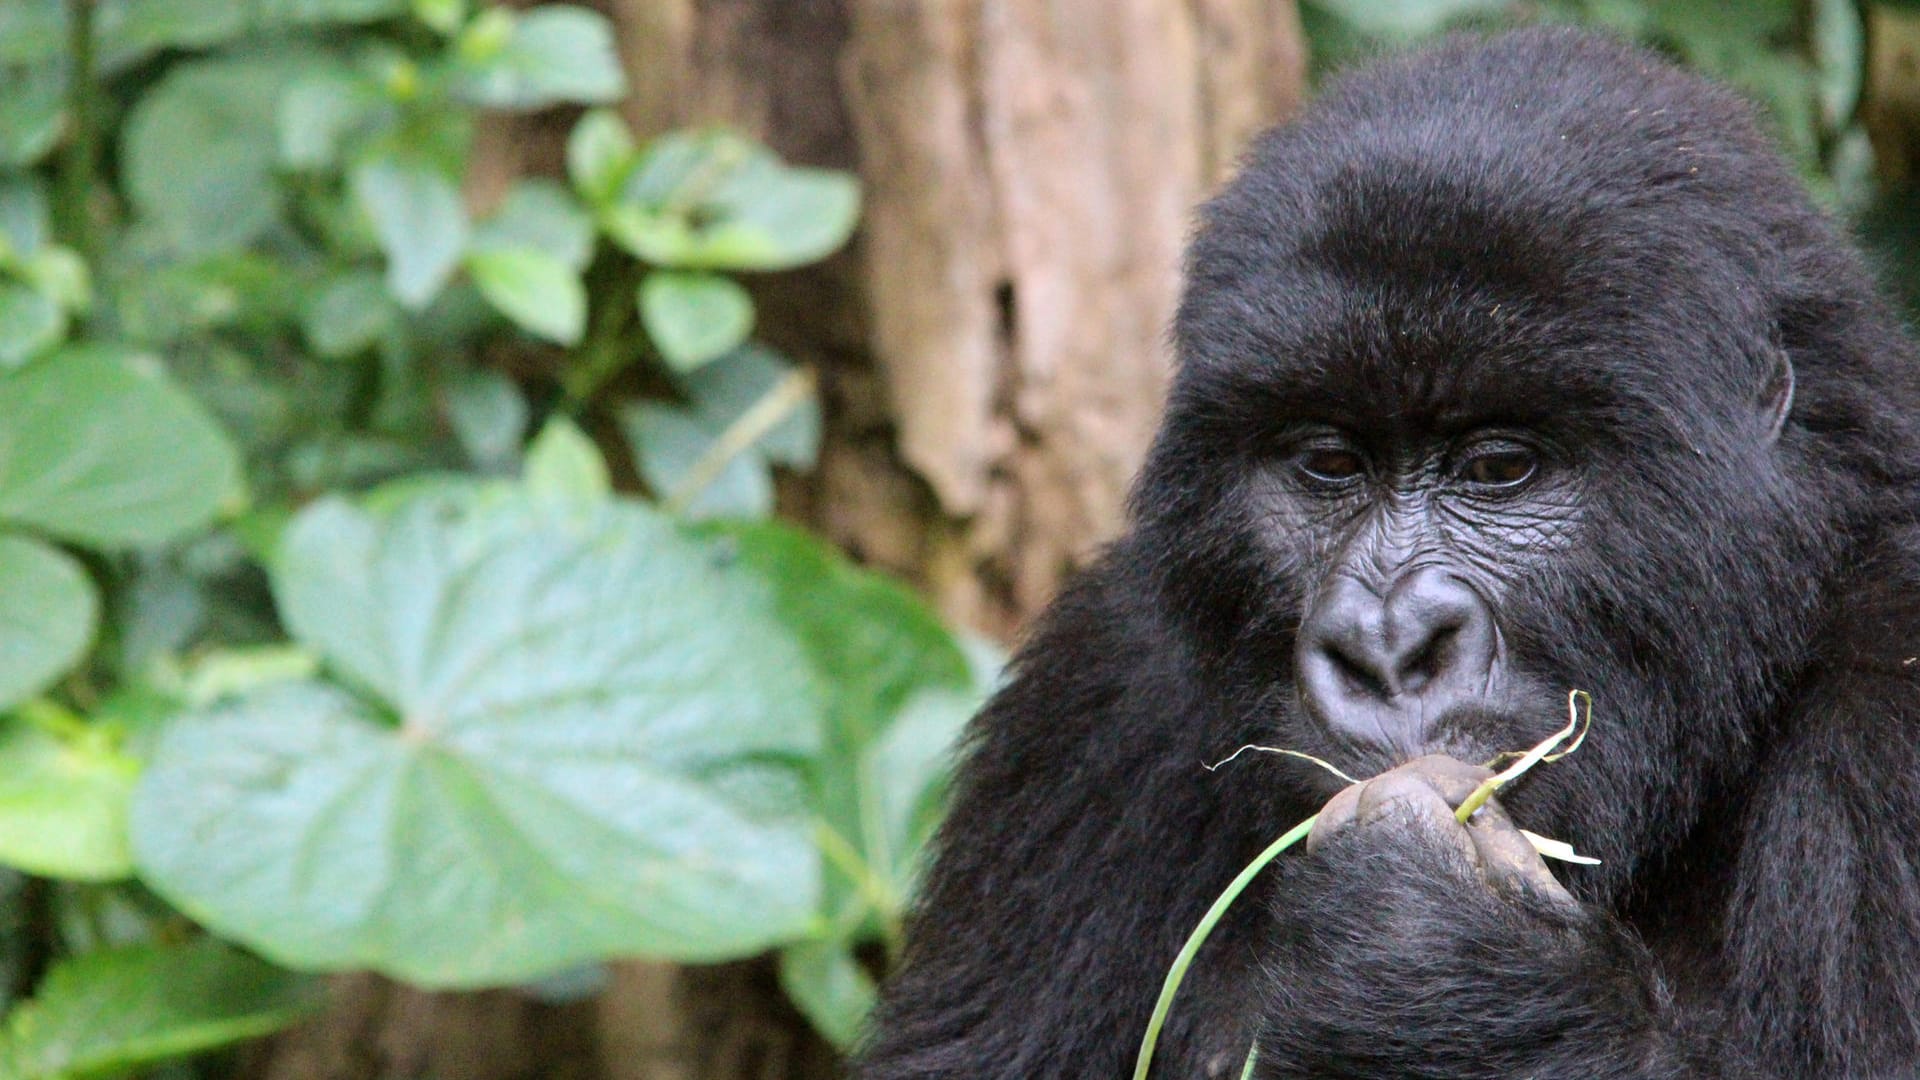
(1554, 229)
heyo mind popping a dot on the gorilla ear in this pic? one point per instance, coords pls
(1776, 401)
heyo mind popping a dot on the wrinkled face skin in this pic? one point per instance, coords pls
(1415, 545)
(1415, 487)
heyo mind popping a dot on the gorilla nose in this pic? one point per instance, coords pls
(1377, 666)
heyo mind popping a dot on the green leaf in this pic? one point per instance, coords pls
(904, 774)
(1838, 39)
(61, 275)
(349, 314)
(876, 643)
(31, 322)
(25, 216)
(534, 289)
(320, 115)
(600, 156)
(63, 803)
(198, 153)
(268, 13)
(489, 417)
(694, 318)
(716, 201)
(541, 215)
(47, 614)
(831, 988)
(725, 389)
(555, 54)
(566, 763)
(773, 219)
(108, 1012)
(565, 466)
(444, 17)
(221, 673)
(137, 28)
(420, 222)
(903, 688)
(32, 112)
(98, 447)
(1407, 20)
(667, 441)
(35, 30)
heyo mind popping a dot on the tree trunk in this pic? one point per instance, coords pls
(992, 358)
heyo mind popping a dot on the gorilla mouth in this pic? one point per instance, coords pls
(1464, 732)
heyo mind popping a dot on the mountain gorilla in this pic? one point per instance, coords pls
(1515, 367)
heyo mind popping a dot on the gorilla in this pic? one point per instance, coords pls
(1515, 367)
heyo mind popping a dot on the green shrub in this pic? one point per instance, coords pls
(303, 647)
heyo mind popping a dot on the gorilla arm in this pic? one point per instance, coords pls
(1823, 928)
(1084, 842)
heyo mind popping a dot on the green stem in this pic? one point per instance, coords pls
(1253, 1058)
(609, 346)
(842, 854)
(748, 428)
(80, 159)
(1199, 937)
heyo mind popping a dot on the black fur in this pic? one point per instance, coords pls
(1564, 234)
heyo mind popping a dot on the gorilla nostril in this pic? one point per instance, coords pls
(1429, 660)
(1358, 677)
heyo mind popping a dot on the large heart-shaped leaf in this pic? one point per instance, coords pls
(108, 1012)
(98, 447)
(47, 613)
(580, 744)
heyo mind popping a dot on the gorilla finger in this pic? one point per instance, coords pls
(1335, 816)
(1404, 798)
(1508, 860)
(1452, 778)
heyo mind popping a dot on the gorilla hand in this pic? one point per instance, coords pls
(1421, 796)
(1410, 944)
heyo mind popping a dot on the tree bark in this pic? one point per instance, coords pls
(992, 359)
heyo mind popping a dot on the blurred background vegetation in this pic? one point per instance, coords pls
(504, 510)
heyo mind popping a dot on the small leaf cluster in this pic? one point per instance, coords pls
(314, 657)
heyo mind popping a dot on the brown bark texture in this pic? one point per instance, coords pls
(1891, 108)
(992, 354)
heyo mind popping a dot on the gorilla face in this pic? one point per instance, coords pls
(1436, 456)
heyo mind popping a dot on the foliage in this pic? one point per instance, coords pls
(311, 646)
(107, 1011)
(306, 646)
(1804, 60)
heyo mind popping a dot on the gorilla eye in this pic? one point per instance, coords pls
(1507, 466)
(1332, 464)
